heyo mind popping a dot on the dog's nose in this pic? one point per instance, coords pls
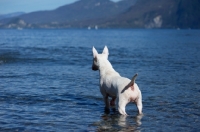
(94, 68)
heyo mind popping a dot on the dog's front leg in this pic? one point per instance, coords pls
(106, 101)
(112, 103)
(105, 98)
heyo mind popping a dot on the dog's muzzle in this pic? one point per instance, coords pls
(95, 68)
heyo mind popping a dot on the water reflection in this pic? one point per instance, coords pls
(120, 123)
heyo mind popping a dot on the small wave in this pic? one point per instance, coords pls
(1, 62)
(45, 56)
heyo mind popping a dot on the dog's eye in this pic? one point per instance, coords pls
(95, 62)
(95, 59)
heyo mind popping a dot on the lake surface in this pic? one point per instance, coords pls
(46, 81)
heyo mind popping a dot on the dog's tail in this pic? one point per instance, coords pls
(133, 80)
(131, 84)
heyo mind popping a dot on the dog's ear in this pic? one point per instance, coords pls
(105, 51)
(95, 53)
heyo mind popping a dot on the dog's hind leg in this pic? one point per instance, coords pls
(139, 104)
(121, 106)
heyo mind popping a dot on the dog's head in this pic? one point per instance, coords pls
(98, 58)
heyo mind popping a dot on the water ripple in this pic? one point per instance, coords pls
(46, 81)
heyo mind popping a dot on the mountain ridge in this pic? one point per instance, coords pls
(159, 14)
(14, 14)
(108, 14)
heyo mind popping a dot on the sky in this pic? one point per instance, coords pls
(10, 6)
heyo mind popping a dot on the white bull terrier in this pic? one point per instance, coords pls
(114, 86)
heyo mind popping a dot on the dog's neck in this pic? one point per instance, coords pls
(106, 68)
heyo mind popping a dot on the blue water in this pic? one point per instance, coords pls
(46, 81)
